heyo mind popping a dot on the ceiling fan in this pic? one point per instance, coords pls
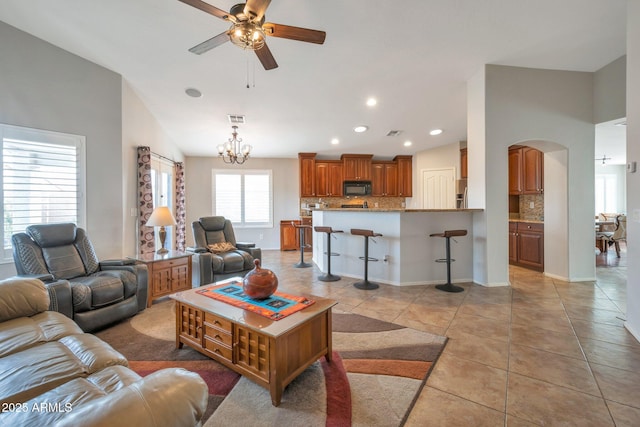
(248, 30)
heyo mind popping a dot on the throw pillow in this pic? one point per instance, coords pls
(217, 248)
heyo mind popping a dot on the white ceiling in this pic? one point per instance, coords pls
(414, 56)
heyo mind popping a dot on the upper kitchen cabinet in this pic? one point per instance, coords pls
(526, 170)
(328, 178)
(463, 163)
(356, 167)
(307, 174)
(384, 178)
(532, 171)
(405, 175)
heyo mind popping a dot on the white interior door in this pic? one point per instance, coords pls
(438, 188)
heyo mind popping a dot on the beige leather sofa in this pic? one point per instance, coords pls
(51, 373)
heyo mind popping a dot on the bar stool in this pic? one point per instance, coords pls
(301, 228)
(448, 234)
(366, 284)
(328, 277)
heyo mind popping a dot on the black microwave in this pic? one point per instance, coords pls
(356, 188)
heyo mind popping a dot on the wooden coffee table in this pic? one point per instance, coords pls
(270, 353)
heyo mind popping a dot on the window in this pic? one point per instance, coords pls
(163, 189)
(245, 197)
(43, 179)
(606, 193)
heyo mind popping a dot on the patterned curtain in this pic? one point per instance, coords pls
(181, 217)
(146, 238)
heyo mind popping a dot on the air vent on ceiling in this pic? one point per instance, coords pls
(235, 118)
(394, 132)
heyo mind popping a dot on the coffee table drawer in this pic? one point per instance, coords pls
(219, 349)
(217, 322)
(216, 334)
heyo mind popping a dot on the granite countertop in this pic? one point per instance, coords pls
(533, 221)
(393, 210)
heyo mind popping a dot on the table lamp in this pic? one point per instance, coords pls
(161, 217)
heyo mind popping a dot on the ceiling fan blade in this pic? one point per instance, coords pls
(207, 45)
(294, 33)
(256, 8)
(266, 58)
(206, 7)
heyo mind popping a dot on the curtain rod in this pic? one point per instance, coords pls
(163, 157)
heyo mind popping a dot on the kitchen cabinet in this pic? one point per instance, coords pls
(328, 178)
(356, 167)
(307, 174)
(526, 169)
(384, 178)
(463, 163)
(532, 171)
(526, 245)
(405, 175)
(290, 237)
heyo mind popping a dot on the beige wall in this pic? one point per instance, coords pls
(44, 87)
(633, 154)
(609, 91)
(139, 127)
(198, 182)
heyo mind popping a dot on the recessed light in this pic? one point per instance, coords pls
(360, 129)
(435, 132)
(407, 143)
(372, 102)
(193, 92)
(335, 141)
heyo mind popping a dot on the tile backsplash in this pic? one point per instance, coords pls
(336, 202)
(532, 213)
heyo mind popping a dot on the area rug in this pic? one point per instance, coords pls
(376, 373)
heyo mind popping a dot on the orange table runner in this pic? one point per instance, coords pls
(276, 307)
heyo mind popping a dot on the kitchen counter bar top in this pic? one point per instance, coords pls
(405, 252)
(393, 210)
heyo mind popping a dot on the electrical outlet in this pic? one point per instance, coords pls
(133, 212)
(261, 236)
(532, 205)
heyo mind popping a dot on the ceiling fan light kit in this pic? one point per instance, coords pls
(249, 31)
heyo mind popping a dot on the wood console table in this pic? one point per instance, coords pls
(270, 353)
(168, 273)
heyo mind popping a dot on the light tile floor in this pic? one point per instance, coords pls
(541, 352)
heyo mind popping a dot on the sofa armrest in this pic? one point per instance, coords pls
(60, 297)
(201, 269)
(256, 253)
(197, 249)
(142, 276)
(117, 262)
(45, 277)
(245, 245)
(169, 397)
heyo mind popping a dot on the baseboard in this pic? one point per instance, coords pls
(631, 331)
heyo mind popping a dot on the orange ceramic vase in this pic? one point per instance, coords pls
(259, 283)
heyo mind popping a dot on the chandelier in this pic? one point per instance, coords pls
(232, 151)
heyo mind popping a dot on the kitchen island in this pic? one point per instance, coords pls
(405, 252)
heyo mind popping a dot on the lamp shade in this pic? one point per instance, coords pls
(161, 216)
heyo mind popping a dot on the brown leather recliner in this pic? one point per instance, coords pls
(102, 292)
(209, 267)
